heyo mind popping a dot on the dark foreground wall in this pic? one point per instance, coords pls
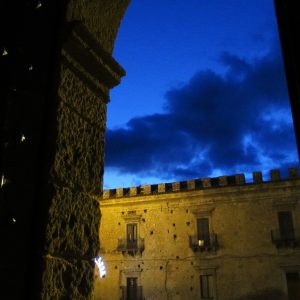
(289, 29)
(56, 71)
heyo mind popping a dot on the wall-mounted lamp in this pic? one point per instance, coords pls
(201, 243)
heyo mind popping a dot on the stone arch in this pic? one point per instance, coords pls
(70, 45)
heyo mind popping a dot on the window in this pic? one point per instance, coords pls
(285, 235)
(286, 227)
(208, 283)
(293, 285)
(131, 243)
(132, 236)
(203, 232)
(207, 286)
(132, 288)
(204, 239)
(130, 284)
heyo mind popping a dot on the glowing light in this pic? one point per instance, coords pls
(39, 5)
(14, 220)
(201, 243)
(3, 181)
(4, 52)
(30, 68)
(23, 138)
(100, 264)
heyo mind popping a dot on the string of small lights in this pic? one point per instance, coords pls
(24, 74)
(17, 84)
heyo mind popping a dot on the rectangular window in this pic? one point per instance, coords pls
(286, 227)
(207, 286)
(132, 291)
(131, 236)
(203, 232)
(293, 285)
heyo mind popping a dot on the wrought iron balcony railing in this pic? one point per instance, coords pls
(131, 293)
(206, 243)
(285, 239)
(129, 247)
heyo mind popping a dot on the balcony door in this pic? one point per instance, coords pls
(286, 226)
(132, 291)
(131, 236)
(203, 231)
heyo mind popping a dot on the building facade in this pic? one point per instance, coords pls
(212, 238)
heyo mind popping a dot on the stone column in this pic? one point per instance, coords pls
(87, 73)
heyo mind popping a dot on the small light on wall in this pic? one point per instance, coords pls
(14, 220)
(4, 181)
(201, 243)
(4, 52)
(101, 267)
(39, 5)
(30, 68)
(23, 138)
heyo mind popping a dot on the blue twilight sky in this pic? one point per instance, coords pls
(205, 93)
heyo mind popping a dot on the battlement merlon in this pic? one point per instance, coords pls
(196, 184)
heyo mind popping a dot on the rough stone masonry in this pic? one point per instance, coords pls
(87, 72)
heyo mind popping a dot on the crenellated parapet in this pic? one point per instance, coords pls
(195, 184)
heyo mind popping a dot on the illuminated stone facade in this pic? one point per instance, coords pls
(218, 238)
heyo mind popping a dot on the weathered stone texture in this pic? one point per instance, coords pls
(66, 280)
(74, 220)
(102, 18)
(74, 217)
(75, 94)
(86, 75)
(133, 191)
(79, 157)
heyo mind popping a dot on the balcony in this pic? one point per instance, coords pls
(287, 239)
(207, 243)
(131, 248)
(131, 293)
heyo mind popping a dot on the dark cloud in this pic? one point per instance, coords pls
(214, 123)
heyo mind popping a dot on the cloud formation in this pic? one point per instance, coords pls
(214, 124)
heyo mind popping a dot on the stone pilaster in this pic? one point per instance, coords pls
(87, 72)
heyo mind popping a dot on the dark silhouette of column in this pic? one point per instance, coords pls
(287, 12)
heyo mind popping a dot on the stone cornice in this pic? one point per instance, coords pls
(204, 210)
(83, 54)
(132, 218)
